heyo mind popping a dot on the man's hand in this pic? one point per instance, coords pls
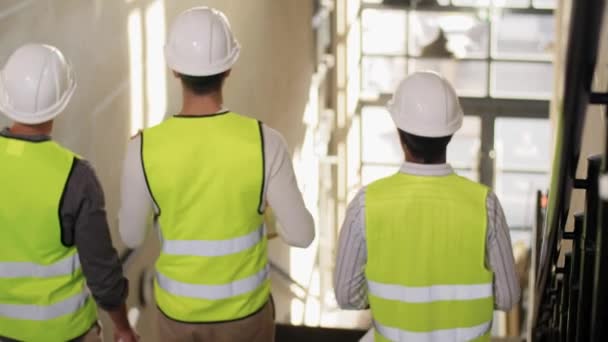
(122, 329)
(128, 335)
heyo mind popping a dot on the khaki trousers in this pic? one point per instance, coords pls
(256, 328)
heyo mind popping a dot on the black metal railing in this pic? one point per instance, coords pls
(570, 303)
(599, 303)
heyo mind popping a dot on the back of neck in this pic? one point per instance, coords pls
(410, 158)
(202, 104)
(32, 130)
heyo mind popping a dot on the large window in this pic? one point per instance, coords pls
(496, 49)
(498, 56)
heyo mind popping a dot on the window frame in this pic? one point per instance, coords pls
(490, 12)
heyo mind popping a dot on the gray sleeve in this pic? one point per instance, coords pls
(349, 278)
(499, 257)
(84, 225)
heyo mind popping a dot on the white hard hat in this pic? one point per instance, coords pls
(426, 105)
(36, 84)
(201, 43)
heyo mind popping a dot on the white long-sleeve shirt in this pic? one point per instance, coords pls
(349, 277)
(281, 193)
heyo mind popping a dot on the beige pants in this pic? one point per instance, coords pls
(256, 328)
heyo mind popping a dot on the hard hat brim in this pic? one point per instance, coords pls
(422, 130)
(38, 117)
(179, 64)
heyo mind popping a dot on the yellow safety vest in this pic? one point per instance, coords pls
(426, 274)
(43, 295)
(206, 176)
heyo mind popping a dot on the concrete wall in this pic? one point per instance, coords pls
(116, 50)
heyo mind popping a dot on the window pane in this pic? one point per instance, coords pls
(463, 150)
(479, 3)
(521, 236)
(511, 3)
(522, 144)
(370, 173)
(353, 153)
(383, 74)
(470, 174)
(523, 36)
(517, 194)
(468, 77)
(380, 141)
(353, 66)
(545, 3)
(378, 25)
(522, 80)
(485, 3)
(446, 35)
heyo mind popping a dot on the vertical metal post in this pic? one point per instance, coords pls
(588, 246)
(565, 296)
(557, 308)
(574, 279)
(599, 310)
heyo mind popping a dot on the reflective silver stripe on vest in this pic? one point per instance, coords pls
(447, 335)
(211, 248)
(427, 294)
(43, 313)
(65, 266)
(212, 292)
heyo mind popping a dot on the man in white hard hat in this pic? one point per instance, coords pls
(206, 175)
(427, 250)
(54, 237)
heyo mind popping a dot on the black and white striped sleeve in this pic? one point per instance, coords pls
(499, 257)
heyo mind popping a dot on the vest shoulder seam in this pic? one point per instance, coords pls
(143, 168)
(262, 143)
(62, 228)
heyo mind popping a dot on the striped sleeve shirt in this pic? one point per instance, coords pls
(349, 278)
